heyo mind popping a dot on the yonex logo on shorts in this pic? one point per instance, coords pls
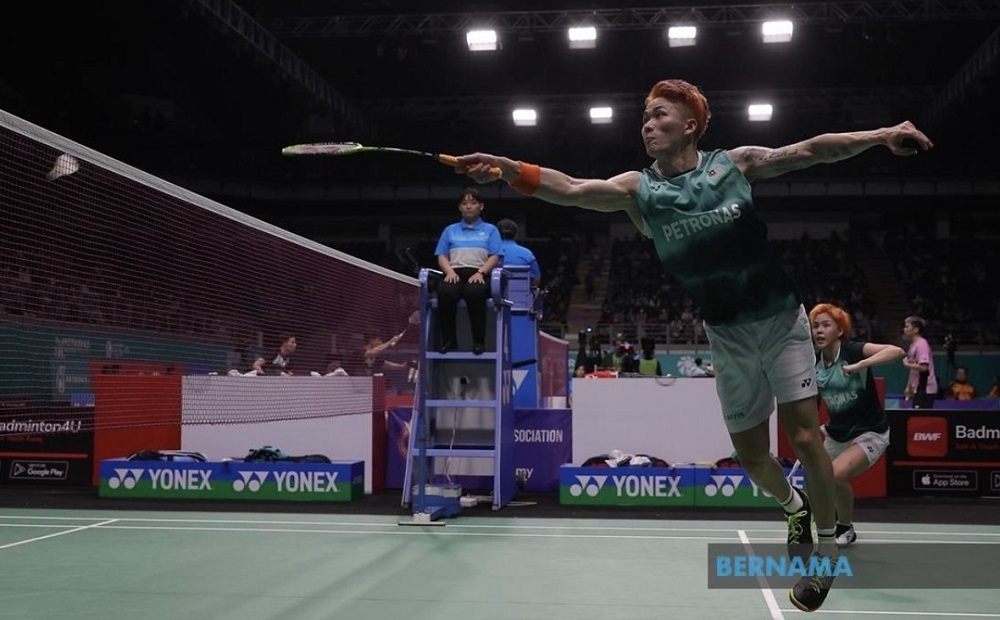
(250, 480)
(591, 485)
(125, 478)
(807, 382)
(727, 485)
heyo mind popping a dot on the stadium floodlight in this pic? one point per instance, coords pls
(481, 40)
(601, 115)
(759, 112)
(777, 31)
(525, 117)
(584, 37)
(682, 36)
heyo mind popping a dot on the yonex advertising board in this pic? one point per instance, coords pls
(626, 486)
(732, 488)
(340, 481)
(652, 486)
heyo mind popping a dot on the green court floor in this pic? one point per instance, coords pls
(242, 566)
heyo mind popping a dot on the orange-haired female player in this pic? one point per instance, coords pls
(858, 431)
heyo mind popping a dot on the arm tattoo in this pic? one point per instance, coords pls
(778, 160)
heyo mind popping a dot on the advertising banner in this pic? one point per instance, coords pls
(626, 486)
(46, 445)
(657, 486)
(944, 453)
(543, 442)
(732, 488)
(342, 481)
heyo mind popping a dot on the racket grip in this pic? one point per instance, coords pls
(451, 160)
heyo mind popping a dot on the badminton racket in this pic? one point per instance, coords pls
(351, 148)
(794, 470)
(413, 319)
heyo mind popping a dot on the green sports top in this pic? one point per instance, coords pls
(852, 400)
(708, 235)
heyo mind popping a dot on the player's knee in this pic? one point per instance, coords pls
(754, 460)
(842, 475)
(806, 441)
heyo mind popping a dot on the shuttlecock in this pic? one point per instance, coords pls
(65, 164)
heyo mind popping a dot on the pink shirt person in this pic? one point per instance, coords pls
(920, 353)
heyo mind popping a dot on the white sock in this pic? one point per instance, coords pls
(794, 502)
(827, 541)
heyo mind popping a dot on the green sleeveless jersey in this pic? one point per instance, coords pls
(708, 235)
(853, 401)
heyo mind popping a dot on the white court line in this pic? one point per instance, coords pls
(75, 529)
(896, 541)
(397, 531)
(36, 525)
(772, 603)
(393, 524)
(930, 614)
(907, 533)
(457, 524)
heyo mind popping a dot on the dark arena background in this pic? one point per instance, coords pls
(218, 363)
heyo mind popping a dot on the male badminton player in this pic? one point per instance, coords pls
(698, 208)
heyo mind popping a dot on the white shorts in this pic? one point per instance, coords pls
(760, 362)
(874, 445)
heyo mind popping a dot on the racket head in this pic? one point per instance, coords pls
(325, 148)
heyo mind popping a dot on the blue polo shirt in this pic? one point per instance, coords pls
(469, 246)
(514, 254)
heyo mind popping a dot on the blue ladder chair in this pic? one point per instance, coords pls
(478, 389)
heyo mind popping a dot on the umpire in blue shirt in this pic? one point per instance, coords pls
(467, 251)
(514, 254)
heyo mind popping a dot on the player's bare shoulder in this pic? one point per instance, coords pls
(628, 181)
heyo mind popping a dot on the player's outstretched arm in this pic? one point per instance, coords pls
(876, 354)
(757, 162)
(551, 185)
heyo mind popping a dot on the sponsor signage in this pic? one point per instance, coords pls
(945, 480)
(727, 488)
(626, 486)
(46, 445)
(542, 444)
(340, 481)
(38, 470)
(651, 486)
(927, 436)
(957, 452)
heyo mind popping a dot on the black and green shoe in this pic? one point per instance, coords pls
(809, 592)
(800, 538)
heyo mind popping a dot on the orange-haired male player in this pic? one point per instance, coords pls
(698, 208)
(858, 431)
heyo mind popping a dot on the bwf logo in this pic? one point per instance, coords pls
(927, 436)
(591, 485)
(125, 478)
(250, 480)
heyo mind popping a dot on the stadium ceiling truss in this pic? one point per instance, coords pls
(532, 22)
(235, 21)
